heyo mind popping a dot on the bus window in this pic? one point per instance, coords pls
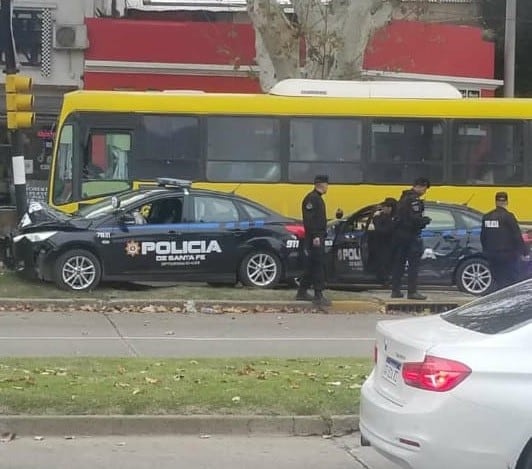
(324, 145)
(243, 149)
(62, 192)
(487, 153)
(402, 150)
(168, 146)
(105, 167)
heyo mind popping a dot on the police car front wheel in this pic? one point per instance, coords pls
(260, 269)
(77, 270)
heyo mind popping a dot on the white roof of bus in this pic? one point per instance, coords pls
(365, 89)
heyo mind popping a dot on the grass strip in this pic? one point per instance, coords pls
(129, 386)
(13, 285)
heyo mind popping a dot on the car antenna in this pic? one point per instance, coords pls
(233, 192)
(466, 203)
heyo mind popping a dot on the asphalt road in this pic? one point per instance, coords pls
(198, 452)
(187, 335)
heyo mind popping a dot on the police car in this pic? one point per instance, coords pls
(169, 232)
(452, 253)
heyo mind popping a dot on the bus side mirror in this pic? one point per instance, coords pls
(339, 214)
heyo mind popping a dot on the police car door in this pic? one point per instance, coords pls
(349, 247)
(215, 231)
(441, 244)
(146, 243)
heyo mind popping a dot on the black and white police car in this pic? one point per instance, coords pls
(169, 232)
(452, 253)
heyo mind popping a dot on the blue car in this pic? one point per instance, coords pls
(452, 253)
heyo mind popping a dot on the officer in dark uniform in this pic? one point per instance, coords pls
(384, 223)
(407, 243)
(315, 222)
(502, 242)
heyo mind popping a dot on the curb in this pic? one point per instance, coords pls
(103, 425)
(369, 305)
(193, 306)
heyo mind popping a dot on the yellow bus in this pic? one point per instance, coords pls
(372, 140)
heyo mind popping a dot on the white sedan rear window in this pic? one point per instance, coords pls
(502, 311)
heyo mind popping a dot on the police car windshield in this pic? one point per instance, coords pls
(105, 207)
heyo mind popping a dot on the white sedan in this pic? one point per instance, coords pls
(454, 390)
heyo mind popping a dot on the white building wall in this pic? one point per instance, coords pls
(65, 66)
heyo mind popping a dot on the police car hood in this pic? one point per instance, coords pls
(42, 215)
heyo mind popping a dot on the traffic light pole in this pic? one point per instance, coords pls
(17, 149)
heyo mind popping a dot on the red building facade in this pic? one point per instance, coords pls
(141, 54)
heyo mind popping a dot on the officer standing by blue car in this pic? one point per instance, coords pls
(502, 242)
(407, 242)
(315, 222)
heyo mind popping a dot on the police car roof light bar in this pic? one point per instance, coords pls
(173, 182)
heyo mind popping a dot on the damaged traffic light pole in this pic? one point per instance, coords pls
(19, 105)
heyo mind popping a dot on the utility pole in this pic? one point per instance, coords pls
(509, 48)
(19, 105)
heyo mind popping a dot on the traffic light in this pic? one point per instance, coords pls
(19, 102)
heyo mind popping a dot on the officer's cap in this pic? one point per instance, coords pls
(321, 178)
(422, 181)
(501, 197)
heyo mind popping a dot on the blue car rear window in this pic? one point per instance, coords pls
(502, 311)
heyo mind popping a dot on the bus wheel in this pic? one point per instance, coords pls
(474, 276)
(260, 269)
(77, 270)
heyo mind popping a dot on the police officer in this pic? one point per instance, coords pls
(384, 224)
(315, 222)
(407, 243)
(502, 242)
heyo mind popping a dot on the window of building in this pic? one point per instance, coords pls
(487, 153)
(326, 146)
(402, 150)
(27, 33)
(243, 149)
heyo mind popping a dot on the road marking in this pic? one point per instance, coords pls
(199, 339)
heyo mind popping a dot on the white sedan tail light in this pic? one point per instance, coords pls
(434, 374)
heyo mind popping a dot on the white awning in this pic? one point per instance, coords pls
(459, 82)
(206, 5)
(224, 5)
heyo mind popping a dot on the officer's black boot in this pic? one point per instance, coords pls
(320, 300)
(397, 294)
(303, 295)
(416, 296)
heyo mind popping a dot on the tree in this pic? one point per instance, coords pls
(335, 34)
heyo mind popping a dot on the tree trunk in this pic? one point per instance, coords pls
(276, 42)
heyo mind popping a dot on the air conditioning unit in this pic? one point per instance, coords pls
(70, 36)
